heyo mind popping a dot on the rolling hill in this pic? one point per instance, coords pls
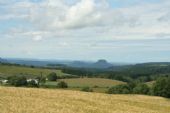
(27, 100)
(7, 70)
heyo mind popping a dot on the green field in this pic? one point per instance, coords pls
(97, 84)
(28, 100)
(90, 82)
(6, 70)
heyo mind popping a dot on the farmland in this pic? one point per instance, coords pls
(91, 82)
(17, 70)
(97, 84)
(27, 100)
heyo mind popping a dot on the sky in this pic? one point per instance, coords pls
(115, 30)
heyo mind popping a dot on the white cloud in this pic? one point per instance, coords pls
(91, 19)
(37, 38)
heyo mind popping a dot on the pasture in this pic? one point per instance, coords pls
(6, 70)
(91, 82)
(97, 84)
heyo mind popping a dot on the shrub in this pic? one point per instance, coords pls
(52, 76)
(162, 87)
(119, 89)
(141, 89)
(62, 84)
(87, 89)
(95, 86)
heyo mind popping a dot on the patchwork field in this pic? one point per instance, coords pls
(14, 70)
(25, 100)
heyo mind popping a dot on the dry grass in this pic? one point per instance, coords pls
(25, 100)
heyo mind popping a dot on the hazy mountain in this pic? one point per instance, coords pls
(36, 62)
(80, 64)
(3, 60)
(101, 64)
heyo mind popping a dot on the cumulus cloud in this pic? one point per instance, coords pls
(59, 15)
(91, 18)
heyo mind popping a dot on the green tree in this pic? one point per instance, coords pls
(52, 76)
(141, 89)
(17, 80)
(162, 87)
(62, 84)
(119, 89)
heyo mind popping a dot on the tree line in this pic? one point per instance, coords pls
(161, 87)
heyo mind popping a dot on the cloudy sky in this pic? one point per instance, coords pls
(116, 30)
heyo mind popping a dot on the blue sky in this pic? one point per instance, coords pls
(116, 30)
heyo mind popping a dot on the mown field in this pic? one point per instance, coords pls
(91, 82)
(27, 100)
(15, 70)
(97, 84)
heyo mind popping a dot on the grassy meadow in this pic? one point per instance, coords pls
(91, 82)
(27, 100)
(15, 70)
(97, 84)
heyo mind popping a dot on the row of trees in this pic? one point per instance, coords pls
(35, 82)
(160, 88)
(22, 81)
(140, 72)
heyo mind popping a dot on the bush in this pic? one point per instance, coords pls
(141, 89)
(87, 89)
(95, 86)
(162, 87)
(52, 76)
(119, 89)
(62, 84)
(17, 80)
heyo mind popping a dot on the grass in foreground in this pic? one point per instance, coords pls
(25, 100)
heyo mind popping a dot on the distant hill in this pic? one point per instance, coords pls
(99, 64)
(79, 64)
(36, 62)
(102, 64)
(3, 60)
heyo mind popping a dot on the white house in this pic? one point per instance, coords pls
(4, 81)
(35, 80)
